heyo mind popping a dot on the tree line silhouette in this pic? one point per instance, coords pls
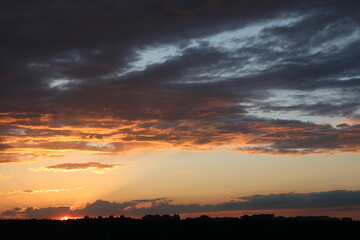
(262, 226)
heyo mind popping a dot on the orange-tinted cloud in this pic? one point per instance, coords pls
(112, 136)
(9, 194)
(73, 167)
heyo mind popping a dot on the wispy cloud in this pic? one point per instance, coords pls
(149, 200)
(8, 194)
(74, 167)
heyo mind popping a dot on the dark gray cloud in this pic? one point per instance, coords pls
(338, 199)
(100, 38)
(42, 213)
(100, 207)
(68, 68)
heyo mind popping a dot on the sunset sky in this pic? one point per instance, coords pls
(222, 107)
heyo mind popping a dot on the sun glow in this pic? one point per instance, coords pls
(64, 218)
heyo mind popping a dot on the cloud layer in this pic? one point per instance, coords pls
(315, 200)
(115, 76)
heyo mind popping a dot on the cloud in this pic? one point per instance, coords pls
(4, 146)
(74, 167)
(36, 192)
(101, 207)
(16, 156)
(42, 213)
(338, 199)
(9, 194)
(89, 83)
(149, 200)
(311, 139)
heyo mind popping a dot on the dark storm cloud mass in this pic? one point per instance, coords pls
(76, 69)
(338, 199)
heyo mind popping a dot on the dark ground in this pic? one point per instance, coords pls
(223, 228)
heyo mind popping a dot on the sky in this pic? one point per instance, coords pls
(217, 107)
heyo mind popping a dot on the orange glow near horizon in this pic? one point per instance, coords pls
(118, 160)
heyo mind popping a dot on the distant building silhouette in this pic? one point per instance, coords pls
(315, 218)
(175, 217)
(258, 217)
(346, 219)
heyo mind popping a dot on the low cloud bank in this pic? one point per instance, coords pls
(316, 200)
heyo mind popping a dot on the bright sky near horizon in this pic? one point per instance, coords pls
(141, 107)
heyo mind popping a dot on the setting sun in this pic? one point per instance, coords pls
(64, 218)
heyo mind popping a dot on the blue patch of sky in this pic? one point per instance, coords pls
(288, 98)
(224, 41)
